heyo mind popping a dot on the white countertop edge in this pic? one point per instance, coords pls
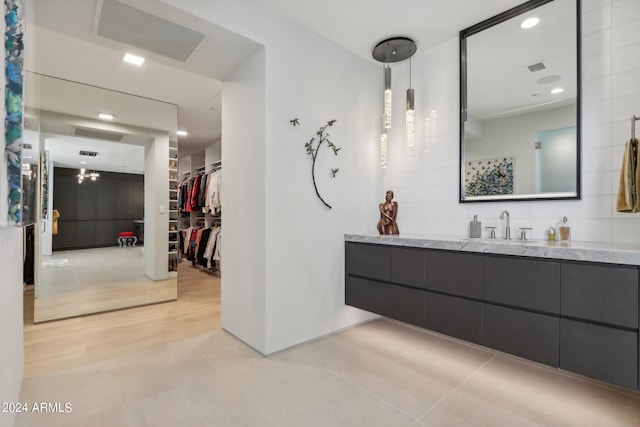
(611, 253)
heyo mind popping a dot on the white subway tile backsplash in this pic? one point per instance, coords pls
(626, 230)
(596, 66)
(596, 43)
(621, 131)
(588, 5)
(591, 230)
(625, 34)
(596, 159)
(596, 183)
(597, 89)
(596, 113)
(625, 83)
(595, 20)
(623, 107)
(626, 58)
(624, 10)
(596, 136)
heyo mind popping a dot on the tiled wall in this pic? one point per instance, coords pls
(425, 180)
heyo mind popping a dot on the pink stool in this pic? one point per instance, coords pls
(126, 238)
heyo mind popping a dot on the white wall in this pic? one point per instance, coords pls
(243, 199)
(291, 287)
(11, 339)
(156, 208)
(426, 180)
(213, 153)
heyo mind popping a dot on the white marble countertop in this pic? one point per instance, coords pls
(613, 253)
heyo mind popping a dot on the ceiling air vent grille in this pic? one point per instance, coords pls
(137, 28)
(538, 66)
(26, 146)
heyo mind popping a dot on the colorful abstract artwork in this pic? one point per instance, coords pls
(14, 59)
(489, 177)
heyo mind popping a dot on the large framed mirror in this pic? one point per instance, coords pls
(520, 104)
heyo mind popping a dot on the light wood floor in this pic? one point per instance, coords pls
(54, 346)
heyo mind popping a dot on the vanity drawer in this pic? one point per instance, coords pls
(454, 273)
(457, 317)
(407, 266)
(601, 293)
(529, 283)
(608, 354)
(396, 302)
(529, 335)
(372, 261)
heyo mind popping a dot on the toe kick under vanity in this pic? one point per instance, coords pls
(573, 307)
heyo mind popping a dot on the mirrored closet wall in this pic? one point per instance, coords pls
(107, 208)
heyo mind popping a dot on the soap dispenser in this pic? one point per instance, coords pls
(475, 228)
(564, 229)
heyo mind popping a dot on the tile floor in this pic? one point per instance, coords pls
(378, 374)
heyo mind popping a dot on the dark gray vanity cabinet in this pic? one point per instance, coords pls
(370, 261)
(579, 316)
(453, 303)
(369, 285)
(453, 316)
(530, 335)
(397, 302)
(599, 329)
(528, 283)
(600, 352)
(600, 293)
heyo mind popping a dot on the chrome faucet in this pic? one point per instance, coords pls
(507, 228)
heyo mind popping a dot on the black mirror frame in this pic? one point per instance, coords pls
(504, 16)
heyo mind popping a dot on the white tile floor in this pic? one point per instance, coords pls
(378, 374)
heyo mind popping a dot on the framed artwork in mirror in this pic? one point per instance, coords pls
(520, 99)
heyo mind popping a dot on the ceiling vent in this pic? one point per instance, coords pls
(136, 28)
(88, 153)
(97, 134)
(538, 66)
(26, 146)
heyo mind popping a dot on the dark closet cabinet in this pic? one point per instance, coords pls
(94, 212)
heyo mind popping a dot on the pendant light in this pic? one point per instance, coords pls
(388, 51)
(387, 97)
(410, 118)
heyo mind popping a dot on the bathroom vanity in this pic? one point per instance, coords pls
(572, 306)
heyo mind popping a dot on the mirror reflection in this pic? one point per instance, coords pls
(104, 210)
(520, 104)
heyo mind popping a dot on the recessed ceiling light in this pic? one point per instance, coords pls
(83, 163)
(105, 116)
(557, 90)
(133, 59)
(529, 23)
(182, 133)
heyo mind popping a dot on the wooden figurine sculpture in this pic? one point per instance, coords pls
(388, 214)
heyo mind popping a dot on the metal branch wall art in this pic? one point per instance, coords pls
(313, 147)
